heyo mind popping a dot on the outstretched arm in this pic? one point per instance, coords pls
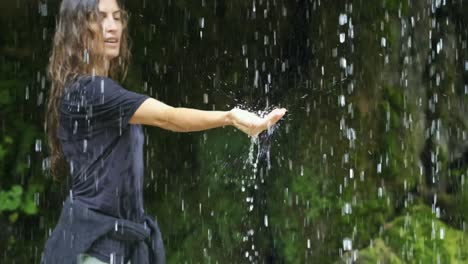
(155, 113)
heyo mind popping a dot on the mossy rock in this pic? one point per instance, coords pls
(379, 253)
(416, 237)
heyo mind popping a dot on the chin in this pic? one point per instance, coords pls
(112, 55)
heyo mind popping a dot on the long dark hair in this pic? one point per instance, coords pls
(78, 50)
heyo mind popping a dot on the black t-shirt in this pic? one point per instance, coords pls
(104, 152)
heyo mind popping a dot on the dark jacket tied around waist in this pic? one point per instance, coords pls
(79, 227)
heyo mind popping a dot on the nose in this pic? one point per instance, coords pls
(109, 24)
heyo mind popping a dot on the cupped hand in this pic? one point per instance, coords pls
(252, 124)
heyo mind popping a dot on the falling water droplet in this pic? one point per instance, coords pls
(202, 22)
(75, 127)
(347, 209)
(46, 163)
(85, 145)
(343, 19)
(347, 244)
(440, 45)
(383, 42)
(102, 86)
(442, 233)
(71, 167)
(341, 100)
(343, 63)
(40, 98)
(209, 238)
(342, 37)
(43, 9)
(256, 79)
(38, 145)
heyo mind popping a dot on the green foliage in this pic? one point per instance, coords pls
(20, 190)
(11, 200)
(306, 185)
(417, 237)
(5, 97)
(378, 253)
(7, 141)
(211, 225)
(397, 148)
(17, 200)
(197, 191)
(460, 203)
(310, 191)
(396, 6)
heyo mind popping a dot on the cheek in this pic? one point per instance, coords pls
(120, 30)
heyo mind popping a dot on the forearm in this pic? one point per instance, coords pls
(189, 120)
(155, 113)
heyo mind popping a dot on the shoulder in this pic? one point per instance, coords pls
(90, 86)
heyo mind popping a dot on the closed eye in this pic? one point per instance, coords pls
(103, 15)
(117, 15)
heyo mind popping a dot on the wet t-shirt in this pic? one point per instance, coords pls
(104, 152)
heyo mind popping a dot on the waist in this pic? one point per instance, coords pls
(129, 207)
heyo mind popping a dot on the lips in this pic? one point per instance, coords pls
(111, 41)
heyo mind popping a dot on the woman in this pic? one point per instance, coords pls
(94, 126)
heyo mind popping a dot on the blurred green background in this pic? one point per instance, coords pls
(368, 166)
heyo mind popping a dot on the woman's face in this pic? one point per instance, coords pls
(112, 27)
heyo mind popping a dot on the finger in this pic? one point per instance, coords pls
(275, 116)
(277, 113)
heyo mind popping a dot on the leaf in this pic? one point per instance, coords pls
(29, 206)
(8, 139)
(13, 217)
(11, 200)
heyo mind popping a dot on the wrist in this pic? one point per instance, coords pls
(228, 120)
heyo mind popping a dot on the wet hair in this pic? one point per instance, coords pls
(78, 50)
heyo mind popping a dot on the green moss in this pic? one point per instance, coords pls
(396, 6)
(417, 237)
(379, 252)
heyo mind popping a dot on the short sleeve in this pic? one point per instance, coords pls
(94, 105)
(112, 105)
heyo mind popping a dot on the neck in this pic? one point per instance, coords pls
(106, 67)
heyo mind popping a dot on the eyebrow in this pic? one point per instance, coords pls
(114, 12)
